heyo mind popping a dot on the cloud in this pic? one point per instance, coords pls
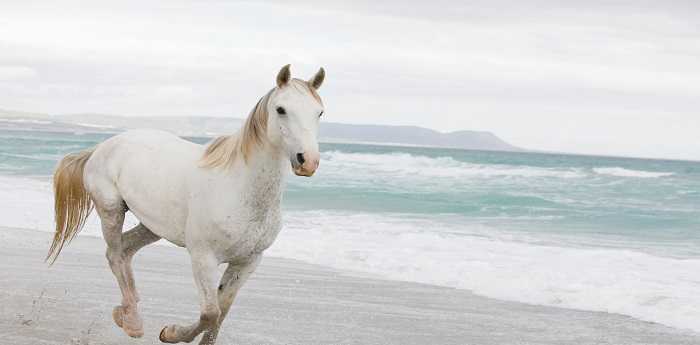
(584, 77)
(16, 73)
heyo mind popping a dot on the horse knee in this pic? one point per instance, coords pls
(210, 316)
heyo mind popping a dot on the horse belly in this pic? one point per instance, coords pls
(159, 202)
(167, 224)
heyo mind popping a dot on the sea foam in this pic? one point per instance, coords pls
(644, 286)
(410, 165)
(622, 172)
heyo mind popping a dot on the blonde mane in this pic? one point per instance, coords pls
(223, 150)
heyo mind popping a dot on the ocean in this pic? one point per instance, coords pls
(618, 235)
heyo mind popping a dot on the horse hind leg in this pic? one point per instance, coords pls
(111, 212)
(132, 240)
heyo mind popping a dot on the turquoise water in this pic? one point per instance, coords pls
(637, 203)
(607, 234)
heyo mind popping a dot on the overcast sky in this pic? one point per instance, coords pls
(601, 77)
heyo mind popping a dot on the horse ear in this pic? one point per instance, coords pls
(317, 80)
(284, 76)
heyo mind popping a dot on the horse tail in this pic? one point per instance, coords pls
(72, 203)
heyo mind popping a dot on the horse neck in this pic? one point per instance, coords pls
(266, 175)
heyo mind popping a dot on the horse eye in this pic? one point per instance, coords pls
(281, 111)
(321, 114)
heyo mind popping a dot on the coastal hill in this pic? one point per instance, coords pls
(212, 126)
(412, 135)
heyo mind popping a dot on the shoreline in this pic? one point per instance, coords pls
(285, 301)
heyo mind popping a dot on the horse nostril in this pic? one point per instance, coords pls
(300, 158)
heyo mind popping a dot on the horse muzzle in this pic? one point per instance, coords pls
(305, 164)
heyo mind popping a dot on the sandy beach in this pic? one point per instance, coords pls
(286, 302)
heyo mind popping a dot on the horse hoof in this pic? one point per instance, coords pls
(134, 326)
(165, 337)
(118, 315)
(160, 336)
(134, 333)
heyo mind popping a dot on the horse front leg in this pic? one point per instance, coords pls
(231, 282)
(204, 268)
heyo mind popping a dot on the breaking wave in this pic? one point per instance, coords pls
(622, 172)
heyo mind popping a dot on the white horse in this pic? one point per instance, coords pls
(221, 202)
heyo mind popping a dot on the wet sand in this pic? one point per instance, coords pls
(285, 302)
